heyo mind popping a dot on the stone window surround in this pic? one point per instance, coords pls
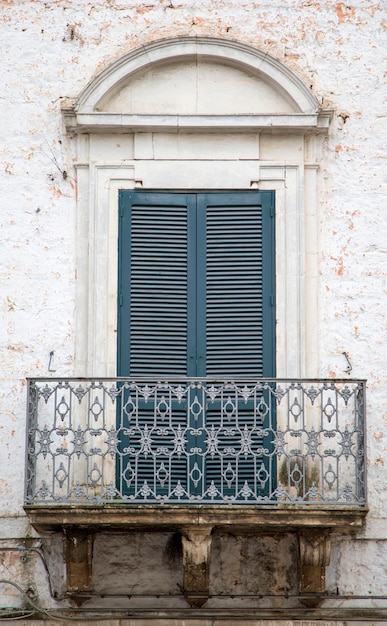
(295, 181)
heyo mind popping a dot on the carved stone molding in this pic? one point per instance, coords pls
(196, 563)
(315, 546)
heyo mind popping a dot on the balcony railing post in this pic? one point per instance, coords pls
(32, 421)
(360, 423)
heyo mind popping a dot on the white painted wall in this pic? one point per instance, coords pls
(50, 51)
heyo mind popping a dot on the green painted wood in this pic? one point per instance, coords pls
(196, 298)
(156, 261)
(236, 288)
(196, 284)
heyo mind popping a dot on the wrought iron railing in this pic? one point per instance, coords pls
(265, 442)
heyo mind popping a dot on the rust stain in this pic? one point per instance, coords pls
(344, 12)
(10, 304)
(57, 192)
(143, 10)
(339, 270)
(372, 9)
(344, 115)
(351, 215)
(198, 21)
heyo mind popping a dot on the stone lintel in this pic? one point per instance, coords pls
(96, 122)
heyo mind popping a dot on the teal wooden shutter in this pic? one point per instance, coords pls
(157, 257)
(196, 284)
(156, 265)
(237, 323)
(196, 298)
(238, 283)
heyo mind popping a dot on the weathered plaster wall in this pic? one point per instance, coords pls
(49, 51)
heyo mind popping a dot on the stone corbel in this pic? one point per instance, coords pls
(196, 563)
(78, 552)
(315, 547)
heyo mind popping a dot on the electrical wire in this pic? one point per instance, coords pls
(25, 595)
(376, 612)
(36, 550)
(13, 619)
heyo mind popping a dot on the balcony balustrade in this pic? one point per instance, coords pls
(195, 442)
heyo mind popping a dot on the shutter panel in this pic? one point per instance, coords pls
(157, 251)
(154, 326)
(238, 290)
(235, 289)
(196, 285)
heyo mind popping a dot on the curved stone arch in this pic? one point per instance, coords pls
(228, 52)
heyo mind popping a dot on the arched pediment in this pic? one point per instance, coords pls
(195, 87)
(196, 83)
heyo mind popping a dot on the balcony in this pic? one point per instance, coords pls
(193, 456)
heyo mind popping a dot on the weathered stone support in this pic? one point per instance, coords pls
(78, 551)
(196, 563)
(315, 548)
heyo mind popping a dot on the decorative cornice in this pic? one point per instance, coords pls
(117, 122)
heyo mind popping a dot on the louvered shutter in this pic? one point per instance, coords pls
(156, 257)
(196, 282)
(156, 278)
(239, 332)
(238, 242)
(196, 276)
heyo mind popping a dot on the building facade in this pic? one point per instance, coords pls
(193, 307)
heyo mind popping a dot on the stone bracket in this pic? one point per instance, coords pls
(315, 548)
(78, 552)
(196, 542)
(312, 524)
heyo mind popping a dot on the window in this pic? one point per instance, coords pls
(196, 284)
(196, 299)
